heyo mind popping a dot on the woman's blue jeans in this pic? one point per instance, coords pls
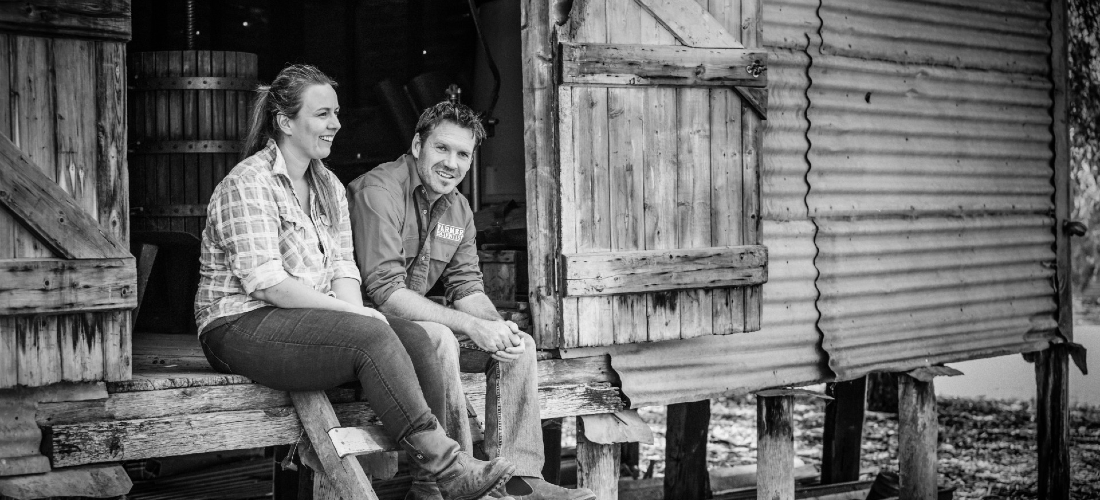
(317, 349)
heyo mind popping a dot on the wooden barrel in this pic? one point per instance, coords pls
(188, 115)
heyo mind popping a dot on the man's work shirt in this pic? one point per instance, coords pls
(402, 241)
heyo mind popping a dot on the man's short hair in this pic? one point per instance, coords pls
(459, 114)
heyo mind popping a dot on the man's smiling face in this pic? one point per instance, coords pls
(443, 158)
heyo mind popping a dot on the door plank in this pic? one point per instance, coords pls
(630, 64)
(690, 23)
(50, 212)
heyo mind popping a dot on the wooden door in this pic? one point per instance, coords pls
(644, 185)
(67, 280)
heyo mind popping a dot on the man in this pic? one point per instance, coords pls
(411, 229)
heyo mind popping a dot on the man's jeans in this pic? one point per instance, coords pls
(513, 429)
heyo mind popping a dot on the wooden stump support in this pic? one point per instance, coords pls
(1052, 422)
(917, 432)
(843, 434)
(775, 445)
(686, 473)
(599, 451)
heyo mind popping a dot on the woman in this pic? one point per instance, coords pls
(279, 299)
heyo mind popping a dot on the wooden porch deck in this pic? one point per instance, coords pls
(176, 405)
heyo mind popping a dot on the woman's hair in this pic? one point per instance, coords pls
(458, 114)
(284, 97)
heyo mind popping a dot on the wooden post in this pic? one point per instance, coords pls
(843, 431)
(775, 447)
(686, 474)
(1052, 422)
(551, 444)
(597, 466)
(1051, 368)
(917, 432)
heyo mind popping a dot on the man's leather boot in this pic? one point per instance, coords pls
(434, 457)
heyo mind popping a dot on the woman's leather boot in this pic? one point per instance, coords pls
(422, 490)
(434, 457)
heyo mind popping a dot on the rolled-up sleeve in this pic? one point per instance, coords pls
(462, 276)
(345, 266)
(376, 231)
(246, 225)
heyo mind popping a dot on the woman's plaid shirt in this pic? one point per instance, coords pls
(257, 235)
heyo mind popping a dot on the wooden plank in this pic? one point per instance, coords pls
(648, 65)
(917, 433)
(775, 447)
(360, 440)
(843, 435)
(570, 325)
(597, 465)
(660, 200)
(595, 321)
(177, 173)
(690, 23)
(74, 95)
(115, 440)
(33, 112)
(752, 26)
(686, 450)
(1052, 423)
(112, 182)
(189, 117)
(50, 212)
(58, 286)
(97, 481)
(9, 360)
(626, 115)
(318, 418)
(652, 270)
(107, 20)
(693, 200)
(8, 225)
(540, 138)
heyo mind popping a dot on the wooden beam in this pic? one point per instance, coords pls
(656, 270)
(48, 211)
(597, 465)
(686, 450)
(44, 286)
(917, 434)
(342, 471)
(690, 23)
(541, 167)
(112, 174)
(1052, 422)
(843, 436)
(104, 20)
(775, 447)
(627, 64)
(97, 481)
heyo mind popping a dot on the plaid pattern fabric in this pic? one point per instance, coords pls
(257, 235)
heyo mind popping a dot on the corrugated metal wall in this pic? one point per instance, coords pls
(926, 156)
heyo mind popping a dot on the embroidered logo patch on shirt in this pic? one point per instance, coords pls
(449, 232)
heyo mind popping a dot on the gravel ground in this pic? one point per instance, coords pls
(987, 448)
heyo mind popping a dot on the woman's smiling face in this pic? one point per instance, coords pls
(309, 134)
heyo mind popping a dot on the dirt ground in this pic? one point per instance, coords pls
(987, 448)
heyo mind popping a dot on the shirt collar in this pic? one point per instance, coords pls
(414, 178)
(278, 167)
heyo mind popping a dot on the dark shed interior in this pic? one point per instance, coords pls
(391, 58)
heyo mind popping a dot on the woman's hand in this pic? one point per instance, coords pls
(372, 313)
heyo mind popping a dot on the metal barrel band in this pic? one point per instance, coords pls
(183, 210)
(194, 83)
(185, 147)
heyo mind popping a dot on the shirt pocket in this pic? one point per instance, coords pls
(443, 250)
(412, 247)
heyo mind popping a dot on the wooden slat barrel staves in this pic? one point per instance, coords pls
(188, 115)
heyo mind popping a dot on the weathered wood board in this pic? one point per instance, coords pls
(657, 155)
